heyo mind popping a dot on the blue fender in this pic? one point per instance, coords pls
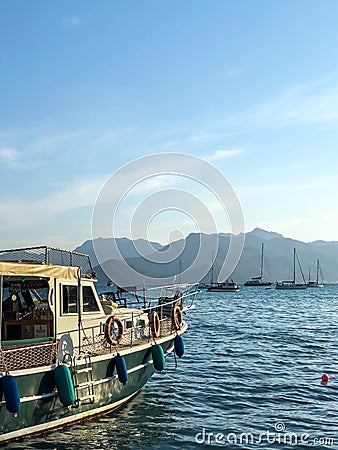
(179, 346)
(121, 369)
(11, 393)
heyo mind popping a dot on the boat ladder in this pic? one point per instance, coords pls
(83, 383)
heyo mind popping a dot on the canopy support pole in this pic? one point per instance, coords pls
(1, 297)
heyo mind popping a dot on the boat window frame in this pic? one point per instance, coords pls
(95, 299)
(62, 311)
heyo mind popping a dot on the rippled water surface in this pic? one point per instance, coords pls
(250, 378)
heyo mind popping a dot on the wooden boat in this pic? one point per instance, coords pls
(65, 356)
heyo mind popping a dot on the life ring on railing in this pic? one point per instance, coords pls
(108, 329)
(155, 324)
(176, 317)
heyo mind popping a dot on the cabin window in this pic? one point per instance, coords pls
(89, 300)
(69, 299)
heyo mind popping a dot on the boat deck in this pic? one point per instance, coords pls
(30, 353)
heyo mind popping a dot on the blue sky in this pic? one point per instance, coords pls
(86, 87)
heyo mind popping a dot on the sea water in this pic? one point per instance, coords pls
(250, 378)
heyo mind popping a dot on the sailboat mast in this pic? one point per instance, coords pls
(294, 266)
(212, 267)
(262, 260)
(317, 270)
(300, 267)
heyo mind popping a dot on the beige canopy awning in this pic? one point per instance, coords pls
(39, 270)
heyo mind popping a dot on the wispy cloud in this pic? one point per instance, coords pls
(71, 196)
(193, 139)
(234, 72)
(53, 142)
(72, 22)
(223, 154)
(307, 103)
(155, 183)
(245, 191)
(38, 144)
(9, 155)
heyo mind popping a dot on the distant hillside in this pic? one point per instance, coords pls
(264, 235)
(278, 260)
(126, 248)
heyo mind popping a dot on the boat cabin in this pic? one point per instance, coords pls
(40, 301)
(47, 300)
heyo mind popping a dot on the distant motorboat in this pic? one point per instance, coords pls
(292, 285)
(284, 285)
(225, 286)
(258, 281)
(220, 286)
(315, 284)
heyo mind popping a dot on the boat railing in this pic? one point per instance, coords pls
(169, 290)
(150, 296)
(136, 330)
(49, 255)
(30, 353)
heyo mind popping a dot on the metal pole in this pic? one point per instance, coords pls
(79, 307)
(144, 295)
(1, 297)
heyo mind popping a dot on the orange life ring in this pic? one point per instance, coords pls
(176, 317)
(108, 328)
(155, 324)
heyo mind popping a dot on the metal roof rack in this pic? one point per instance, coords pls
(49, 255)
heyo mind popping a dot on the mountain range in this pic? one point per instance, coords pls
(278, 257)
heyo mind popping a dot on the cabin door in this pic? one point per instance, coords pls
(67, 305)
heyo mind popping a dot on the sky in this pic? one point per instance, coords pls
(86, 88)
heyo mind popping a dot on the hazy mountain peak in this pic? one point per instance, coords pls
(265, 235)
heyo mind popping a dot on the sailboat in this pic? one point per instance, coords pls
(288, 285)
(207, 285)
(258, 281)
(315, 284)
